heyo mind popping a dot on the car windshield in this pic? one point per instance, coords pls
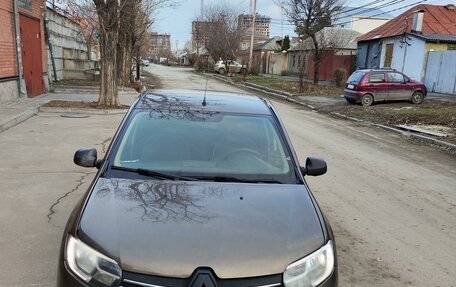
(356, 77)
(205, 146)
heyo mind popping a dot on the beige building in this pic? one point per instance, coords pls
(160, 44)
(366, 24)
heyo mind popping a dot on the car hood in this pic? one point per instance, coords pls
(170, 228)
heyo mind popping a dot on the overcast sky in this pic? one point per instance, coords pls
(178, 21)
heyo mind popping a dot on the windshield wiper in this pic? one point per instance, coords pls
(237, 179)
(148, 172)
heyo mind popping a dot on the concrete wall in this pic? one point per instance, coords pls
(441, 72)
(70, 53)
(8, 91)
(295, 59)
(278, 64)
(406, 59)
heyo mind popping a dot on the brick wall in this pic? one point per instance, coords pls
(8, 64)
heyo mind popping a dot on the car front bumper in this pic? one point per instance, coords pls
(66, 279)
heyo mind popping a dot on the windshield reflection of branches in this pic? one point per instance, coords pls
(170, 107)
(160, 202)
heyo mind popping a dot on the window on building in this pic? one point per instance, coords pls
(388, 55)
(294, 60)
(451, 46)
(299, 60)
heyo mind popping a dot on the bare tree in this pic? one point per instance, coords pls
(84, 13)
(330, 41)
(310, 17)
(108, 18)
(136, 19)
(120, 26)
(223, 33)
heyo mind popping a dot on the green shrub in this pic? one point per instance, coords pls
(339, 75)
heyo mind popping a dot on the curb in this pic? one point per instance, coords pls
(82, 111)
(267, 91)
(13, 121)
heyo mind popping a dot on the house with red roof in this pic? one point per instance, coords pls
(404, 42)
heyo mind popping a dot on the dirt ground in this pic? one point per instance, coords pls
(431, 115)
(427, 113)
(148, 81)
(80, 105)
(77, 82)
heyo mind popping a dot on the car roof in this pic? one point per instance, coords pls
(177, 99)
(376, 70)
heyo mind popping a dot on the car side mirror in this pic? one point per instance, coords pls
(314, 166)
(86, 157)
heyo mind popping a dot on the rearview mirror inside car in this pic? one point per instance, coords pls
(86, 157)
(314, 166)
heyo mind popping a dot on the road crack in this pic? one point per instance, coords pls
(80, 182)
(105, 145)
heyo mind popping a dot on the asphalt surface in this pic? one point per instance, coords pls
(391, 201)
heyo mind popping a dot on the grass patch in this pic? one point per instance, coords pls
(291, 86)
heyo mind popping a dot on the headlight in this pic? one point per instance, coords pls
(311, 270)
(90, 265)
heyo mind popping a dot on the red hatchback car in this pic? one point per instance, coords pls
(369, 86)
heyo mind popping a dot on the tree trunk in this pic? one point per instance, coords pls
(317, 58)
(138, 66)
(301, 78)
(108, 81)
(109, 32)
(316, 67)
(89, 52)
(124, 46)
(124, 55)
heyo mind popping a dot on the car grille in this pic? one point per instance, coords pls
(140, 280)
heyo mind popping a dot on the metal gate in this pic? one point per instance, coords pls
(441, 72)
(32, 61)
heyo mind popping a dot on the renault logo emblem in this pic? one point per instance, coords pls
(203, 278)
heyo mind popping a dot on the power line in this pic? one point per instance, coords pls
(384, 5)
(406, 6)
(275, 22)
(365, 5)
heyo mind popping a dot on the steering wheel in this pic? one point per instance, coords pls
(242, 150)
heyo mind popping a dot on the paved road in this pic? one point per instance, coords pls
(391, 203)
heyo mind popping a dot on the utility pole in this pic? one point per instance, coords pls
(202, 9)
(281, 16)
(253, 35)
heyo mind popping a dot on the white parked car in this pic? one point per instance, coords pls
(233, 66)
(144, 63)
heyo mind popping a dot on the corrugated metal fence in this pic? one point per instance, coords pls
(441, 72)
